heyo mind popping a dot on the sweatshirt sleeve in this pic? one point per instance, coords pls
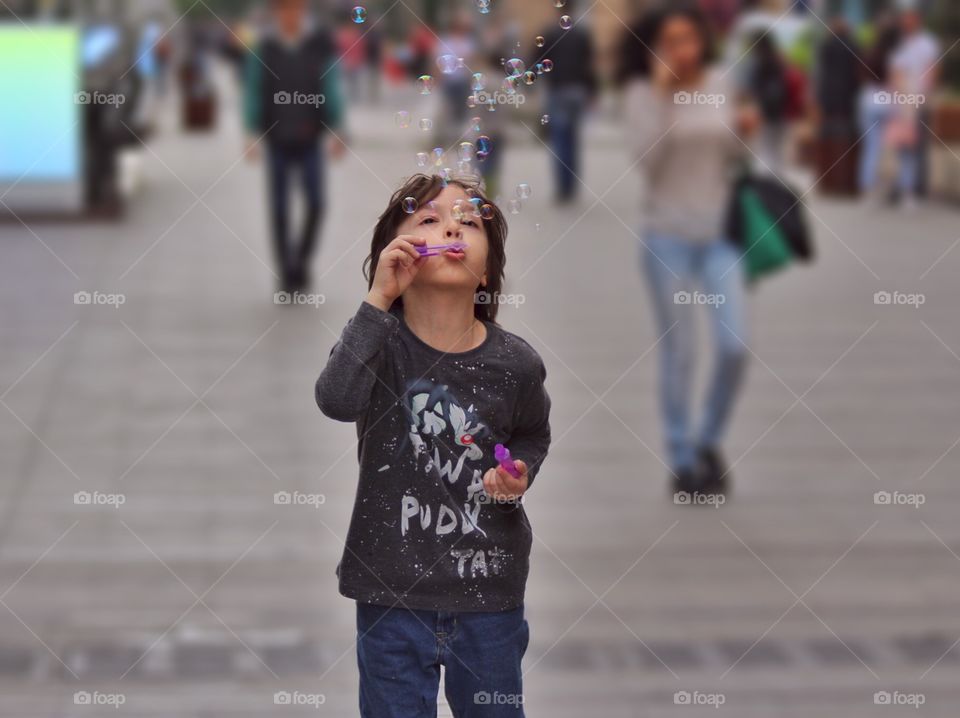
(531, 435)
(346, 384)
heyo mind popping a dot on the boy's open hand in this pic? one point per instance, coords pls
(398, 264)
(502, 486)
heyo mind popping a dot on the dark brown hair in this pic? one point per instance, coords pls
(423, 188)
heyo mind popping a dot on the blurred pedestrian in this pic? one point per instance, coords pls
(455, 53)
(836, 95)
(914, 75)
(571, 86)
(682, 124)
(292, 100)
(768, 86)
(875, 109)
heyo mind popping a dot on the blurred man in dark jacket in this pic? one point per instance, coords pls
(571, 86)
(292, 99)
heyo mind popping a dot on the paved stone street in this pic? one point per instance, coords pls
(199, 596)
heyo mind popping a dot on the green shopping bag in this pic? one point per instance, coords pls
(765, 245)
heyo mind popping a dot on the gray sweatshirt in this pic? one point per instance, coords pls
(423, 533)
(686, 146)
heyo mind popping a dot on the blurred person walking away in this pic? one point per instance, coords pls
(836, 96)
(914, 76)
(571, 86)
(875, 109)
(768, 86)
(681, 122)
(292, 99)
(454, 54)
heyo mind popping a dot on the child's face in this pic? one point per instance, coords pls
(439, 222)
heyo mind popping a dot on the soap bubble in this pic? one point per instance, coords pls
(425, 83)
(509, 86)
(559, 3)
(359, 14)
(514, 67)
(486, 211)
(474, 124)
(471, 101)
(409, 205)
(437, 156)
(402, 119)
(547, 65)
(566, 22)
(537, 225)
(514, 206)
(483, 6)
(539, 41)
(544, 119)
(465, 151)
(529, 77)
(523, 190)
(478, 81)
(475, 203)
(422, 159)
(426, 124)
(447, 64)
(457, 210)
(445, 175)
(484, 147)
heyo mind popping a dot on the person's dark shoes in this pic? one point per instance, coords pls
(713, 469)
(685, 483)
(300, 277)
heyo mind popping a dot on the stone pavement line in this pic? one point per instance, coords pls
(199, 599)
(799, 599)
(599, 199)
(37, 237)
(599, 399)
(198, 400)
(954, 444)
(200, 200)
(799, 399)
(12, 585)
(38, 360)
(952, 553)
(599, 599)
(197, 201)
(799, 202)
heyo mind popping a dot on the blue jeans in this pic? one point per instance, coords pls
(873, 123)
(400, 651)
(681, 276)
(293, 255)
(565, 107)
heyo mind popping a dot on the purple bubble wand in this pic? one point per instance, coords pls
(502, 454)
(435, 250)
